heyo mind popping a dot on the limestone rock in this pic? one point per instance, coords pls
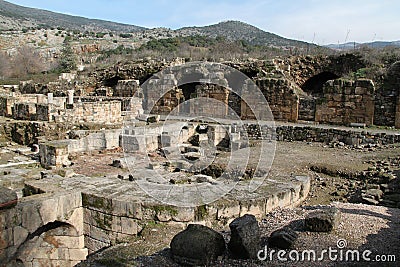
(322, 220)
(197, 245)
(282, 238)
(245, 237)
(8, 198)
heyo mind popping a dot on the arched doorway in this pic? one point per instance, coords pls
(314, 85)
(54, 244)
(313, 92)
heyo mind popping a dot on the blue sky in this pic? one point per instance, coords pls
(318, 21)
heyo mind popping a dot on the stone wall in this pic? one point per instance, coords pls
(90, 112)
(282, 98)
(349, 136)
(109, 220)
(387, 98)
(126, 88)
(217, 108)
(345, 102)
(307, 107)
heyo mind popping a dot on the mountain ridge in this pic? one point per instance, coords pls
(44, 18)
(15, 17)
(356, 45)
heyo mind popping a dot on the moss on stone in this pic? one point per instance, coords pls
(170, 210)
(91, 201)
(201, 212)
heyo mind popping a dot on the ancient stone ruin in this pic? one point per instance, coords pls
(115, 151)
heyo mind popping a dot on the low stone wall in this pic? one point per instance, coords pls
(320, 134)
(56, 153)
(111, 219)
(327, 135)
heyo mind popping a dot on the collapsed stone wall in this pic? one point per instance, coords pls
(345, 102)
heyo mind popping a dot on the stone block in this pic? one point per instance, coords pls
(323, 220)
(31, 219)
(6, 238)
(184, 214)
(197, 245)
(47, 211)
(245, 237)
(282, 238)
(100, 234)
(232, 210)
(20, 235)
(70, 241)
(129, 226)
(78, 254)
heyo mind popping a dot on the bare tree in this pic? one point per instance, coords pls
(27, 61)
(5, 63)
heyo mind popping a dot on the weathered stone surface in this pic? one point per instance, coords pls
(245, 237)
(8, 198)
(323, 220)
(282, 238)
(197, 245)
(20, 235)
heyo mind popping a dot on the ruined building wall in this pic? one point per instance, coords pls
(387, 98)
(216, 92)
(307, 108)
(282, 98)
(92, 112)
(346, 102)
(126, 88)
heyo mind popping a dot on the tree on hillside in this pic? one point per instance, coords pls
(67, 61)
(5, 63)
(27, 61)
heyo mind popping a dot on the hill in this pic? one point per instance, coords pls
(353, 45)
(236, 30)
(15, 17)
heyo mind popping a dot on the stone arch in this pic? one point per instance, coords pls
(54, 244)
(313, 89)
(314, 85)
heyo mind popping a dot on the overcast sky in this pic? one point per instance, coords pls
(318, 21)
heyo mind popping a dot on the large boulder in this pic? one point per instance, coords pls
(245, 237)
(197, 245)
(8, 198)
(282, 238)
(323, 220)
